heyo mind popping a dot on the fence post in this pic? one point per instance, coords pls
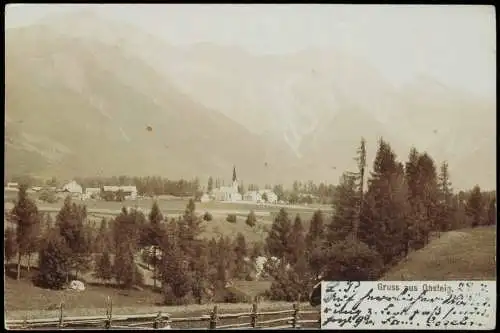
(295, 320)
(158, 323)
(61, 307)
(213, 318)
(109, 311)
(253, 316)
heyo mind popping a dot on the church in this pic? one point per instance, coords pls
(228, 193)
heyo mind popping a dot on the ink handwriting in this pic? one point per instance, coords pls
(418, 305)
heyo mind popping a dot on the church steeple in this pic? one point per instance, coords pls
(234, 174)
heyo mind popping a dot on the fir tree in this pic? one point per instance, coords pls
(210, 185)
(240, 252)
(278, 240)
(176, 280)
(25, 216)
(474, 207)
(104, 268)
(492, 211)
(297, 241)
(316, 233)
(445, 214)
(52, 262)
(345, 210)
(9, 245)
(155, 234)
(382, 222)
(70, 221)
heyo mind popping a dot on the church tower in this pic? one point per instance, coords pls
(235, 180)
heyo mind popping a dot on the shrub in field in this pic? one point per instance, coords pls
(231, 218)
(207, 216)
(251, 219)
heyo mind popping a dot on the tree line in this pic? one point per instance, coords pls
(379, 216)
(372, 229)
(299, 193)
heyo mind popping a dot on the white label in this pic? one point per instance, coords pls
(408, 305)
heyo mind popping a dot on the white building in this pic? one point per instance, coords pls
(205, 198)
(130, 192)
(228, 193)
(73, 188)
(92, 192)
(252, 196)
(269, 195)
(14, 187)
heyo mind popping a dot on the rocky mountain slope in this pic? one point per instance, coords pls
(278, 117)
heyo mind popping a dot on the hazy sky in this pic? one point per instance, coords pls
(455, 44)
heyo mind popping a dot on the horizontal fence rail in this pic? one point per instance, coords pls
(280, 319)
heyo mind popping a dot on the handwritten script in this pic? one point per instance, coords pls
(408, 305)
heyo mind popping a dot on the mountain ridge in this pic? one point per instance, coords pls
(305, 112)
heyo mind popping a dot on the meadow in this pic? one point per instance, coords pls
(172, 207)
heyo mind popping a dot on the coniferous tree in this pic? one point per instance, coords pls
(316, 233)
(345, 210)
(126, 235)
(210, 185)
(360, 177)
(423, 193)
(240, 252)
(9, 245)
(492, 211)
(155, 233)
(429, 194)
(102, 237)
(70, 223)
(52, 262)
(297, 241)
(474, 207)
(382, 222)
(176, 280)
(278, 240)
(200, 273)
(445, 214)
(25, 216)
(104, 268)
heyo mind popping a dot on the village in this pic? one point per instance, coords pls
(226, 194)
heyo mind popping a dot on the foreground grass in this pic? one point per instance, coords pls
(25, 301)
(467, 254)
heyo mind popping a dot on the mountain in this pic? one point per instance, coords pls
(76, 106)
(293, 116)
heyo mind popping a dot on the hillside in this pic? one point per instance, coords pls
(81, 107)
(468, 254)
(296, 116)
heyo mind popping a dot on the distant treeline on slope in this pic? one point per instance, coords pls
(300, 192)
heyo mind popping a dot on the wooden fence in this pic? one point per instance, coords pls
(278, 319)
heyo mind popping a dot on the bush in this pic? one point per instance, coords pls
(207, 216)
(251, 219)
(231, 218)
(352, 261)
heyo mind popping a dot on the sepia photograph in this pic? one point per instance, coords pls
(239, 166)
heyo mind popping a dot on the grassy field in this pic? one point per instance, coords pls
(468, 254)
(173, 207)
(23, 300)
